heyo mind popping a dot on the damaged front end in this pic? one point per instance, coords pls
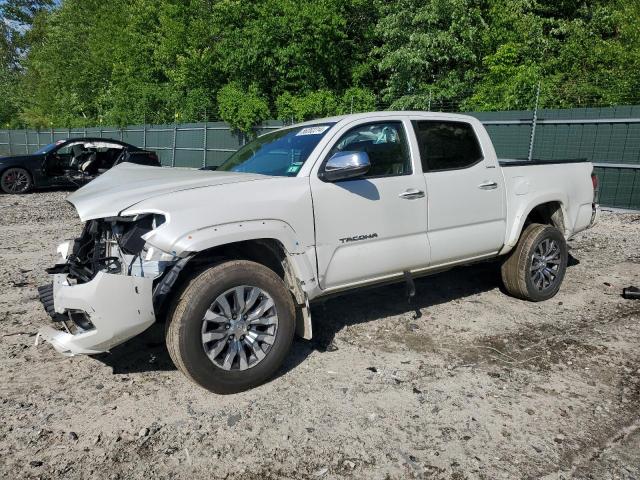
(108, 285)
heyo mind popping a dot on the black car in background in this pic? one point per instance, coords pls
(68, 163)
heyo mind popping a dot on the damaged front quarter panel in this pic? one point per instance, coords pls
(108, 286)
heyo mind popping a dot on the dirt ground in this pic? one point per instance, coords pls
(465, 382)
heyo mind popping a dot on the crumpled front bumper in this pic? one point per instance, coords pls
(119, 307)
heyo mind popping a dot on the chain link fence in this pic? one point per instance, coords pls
(607, 136)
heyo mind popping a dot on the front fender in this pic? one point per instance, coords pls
(216, 235)
(302, 257)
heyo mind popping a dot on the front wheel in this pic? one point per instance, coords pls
(15, 180)
(231, 327)
(534, 270)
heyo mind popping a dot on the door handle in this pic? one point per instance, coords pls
(488, 185)
(411, 193)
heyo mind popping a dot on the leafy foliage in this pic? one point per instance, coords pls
(242, 109)
(18, 28)
(578, 51)
(357, 99)
(86, 62)
(428, 48)
(321, 103)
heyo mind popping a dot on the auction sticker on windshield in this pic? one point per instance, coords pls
(312, 130)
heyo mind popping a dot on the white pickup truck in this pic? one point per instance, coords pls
(231, 258)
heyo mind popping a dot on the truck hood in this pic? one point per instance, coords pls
(127, 184)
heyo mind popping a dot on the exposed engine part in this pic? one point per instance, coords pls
(111, 245)
(110, 255)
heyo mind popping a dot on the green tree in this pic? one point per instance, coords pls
(584, 54)
(136, 88)
(317, 104)
(126, 62)
(8, 78)
(357, 99)
(19, 19)
(85, 62)
(242, 109)
(69, 70)
(429, 49)
(290, 46)
(323, 103)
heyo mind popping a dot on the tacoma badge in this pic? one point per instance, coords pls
(357, 238)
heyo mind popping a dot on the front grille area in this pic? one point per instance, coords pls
(89, 254)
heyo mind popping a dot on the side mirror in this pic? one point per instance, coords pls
(344, 165)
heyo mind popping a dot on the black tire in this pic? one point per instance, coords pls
(535, 279)
(184, 328)
(16, 180)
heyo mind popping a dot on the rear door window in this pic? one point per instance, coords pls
(446, 145)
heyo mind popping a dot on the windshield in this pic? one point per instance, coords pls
(48, 148)
(281, 153)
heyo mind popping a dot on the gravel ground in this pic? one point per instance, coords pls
(465, 382)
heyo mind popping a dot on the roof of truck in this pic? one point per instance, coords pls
(383, 113)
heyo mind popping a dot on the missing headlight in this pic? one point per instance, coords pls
(113, 245)
(131, 241)
(130, 230)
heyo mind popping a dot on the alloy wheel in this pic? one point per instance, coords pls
(15, 180)
(239, 328)
(545, 264)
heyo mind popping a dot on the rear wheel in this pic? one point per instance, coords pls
(536, 267)
(15, 180)
(232, 326)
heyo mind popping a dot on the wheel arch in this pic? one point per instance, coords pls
(267, 251)
(547, 210)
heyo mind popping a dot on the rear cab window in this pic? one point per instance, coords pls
(446, 145)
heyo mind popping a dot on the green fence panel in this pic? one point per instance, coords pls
(94, 132)
(631, 149)
(134, 135)
(60, 135)
(619, 187)
(189, 145)
(5, 142)
(510, 141)
(33, 142)
(560, 134)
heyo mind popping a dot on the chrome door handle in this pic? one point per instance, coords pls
(488, 186)
(411, 193)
